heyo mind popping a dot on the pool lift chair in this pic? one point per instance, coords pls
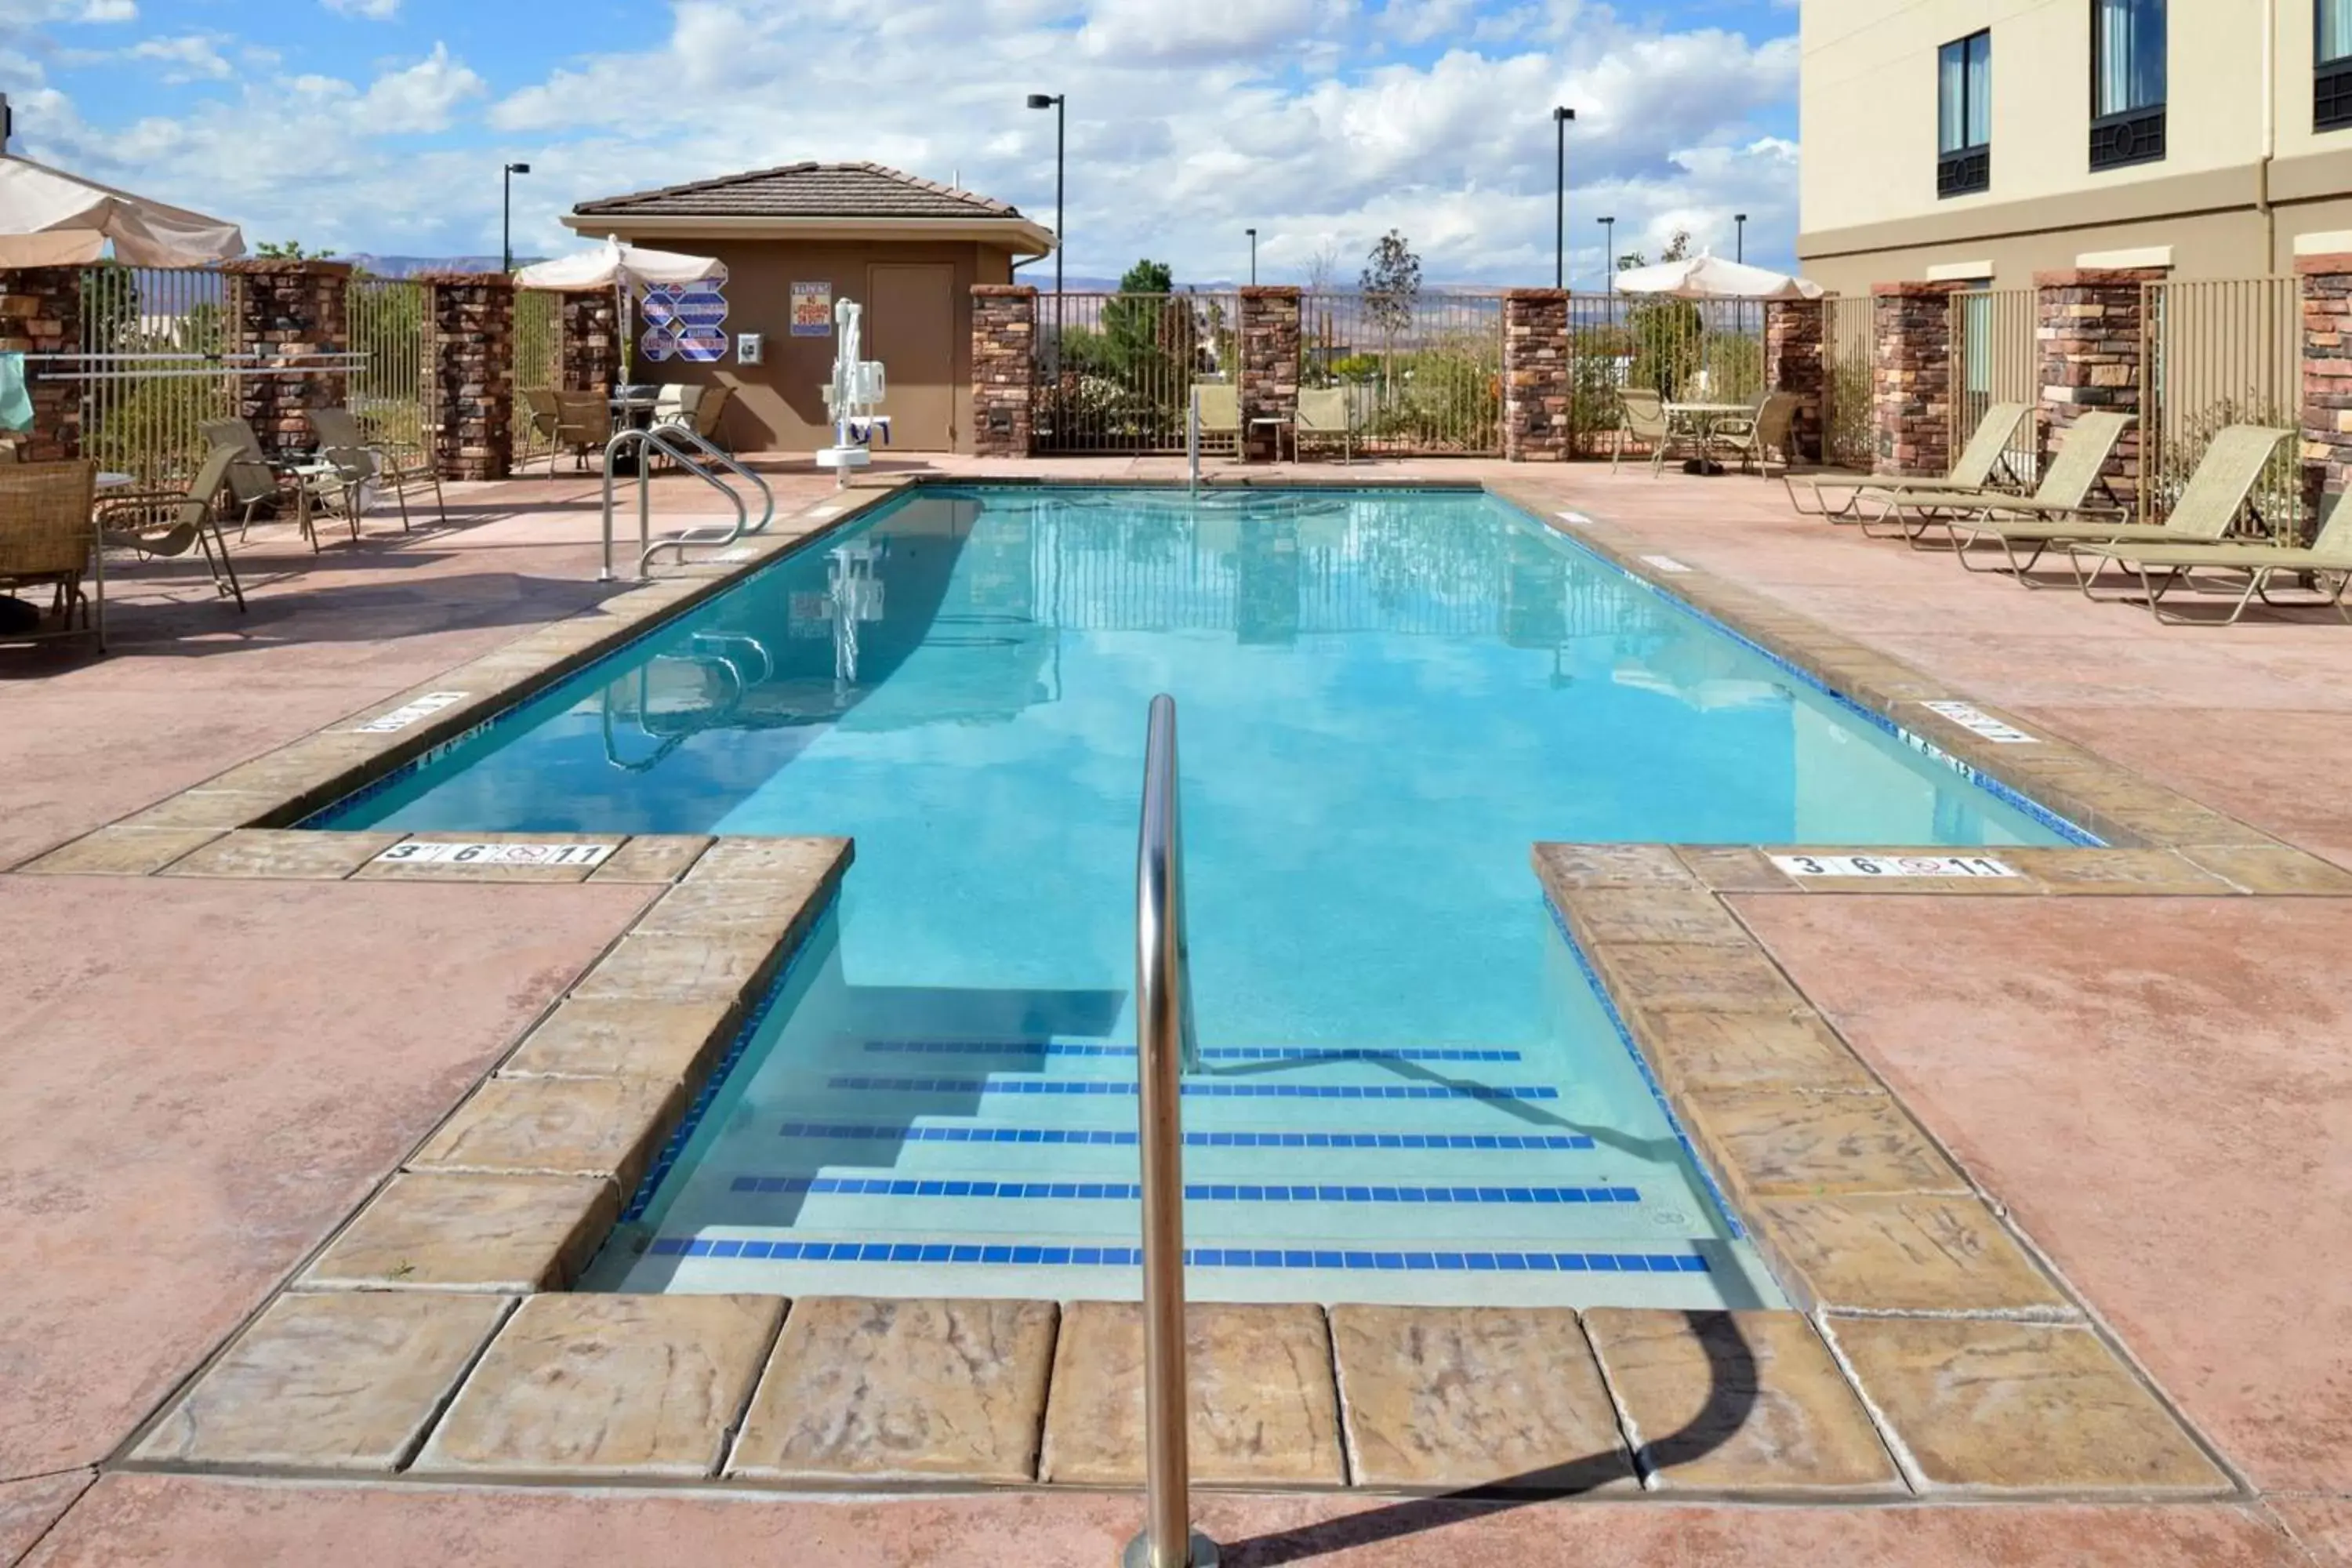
(854, 398)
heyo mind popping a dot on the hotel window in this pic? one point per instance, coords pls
(1964, 115)
(2331, 82)
(2126, 83)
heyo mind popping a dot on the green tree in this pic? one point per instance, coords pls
(1390, 282)
(290, 250)
(1132, 323)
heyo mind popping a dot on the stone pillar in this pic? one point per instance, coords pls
(291, 314)
(1535, 376)
(591, 343)
(2089, 333)
(470, 319)
(1004, 368)
(1270, 366)
(2326, 376)
(1796, 361)
(40, 314)
(1911, 388)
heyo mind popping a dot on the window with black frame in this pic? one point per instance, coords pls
(2331, 80)
(2127, 82)
(1964, 115)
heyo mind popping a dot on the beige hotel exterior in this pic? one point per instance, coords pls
(1987, 139)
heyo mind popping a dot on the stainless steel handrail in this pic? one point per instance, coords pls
(1165, 1050)
(663, 438)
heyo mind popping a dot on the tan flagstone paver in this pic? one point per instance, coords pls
(1601, 915)
(1909, 1253)
(1454, 1397)
(339, 1382)
(1792, 1144)
(2272, 869)
(1735, 868)
(1765, 1049)
(120, 852)
(802, 862)
(770, 911)
(283, 852)
(652, 858)
(675, 1042)
(583, 1387)
(1662, 975)
(218, 808)
(1264, 1410)
(1993, 1405)
(2082, 870)
(682, 968)
(902, 1390)
(1564, 867)
(471, 1231)
(1748, 1401)
(557, 1126)
(479, 871)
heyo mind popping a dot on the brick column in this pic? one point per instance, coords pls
(1535, 376)
(40, 314)
(1004, 368)
(1795, 361)
(1269, 365)
(2326, 375)
(591, 343)
(1911, 377)
(470, 322)
(2089, 332)
(291, 313)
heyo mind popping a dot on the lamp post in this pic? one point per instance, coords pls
(506, 213)
(1609, 250)
(1559, 118)
(1739, 236)
(1253, 234)
(1054, 100)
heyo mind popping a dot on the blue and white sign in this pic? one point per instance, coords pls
(683, 320)
(701, 345)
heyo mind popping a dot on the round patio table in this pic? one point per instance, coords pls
(1700, 419)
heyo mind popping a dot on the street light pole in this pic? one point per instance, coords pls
(1055, 101)
(506, 214)
(1609, 250)
(1253, 234)
(1559, 118)
(1739, 236)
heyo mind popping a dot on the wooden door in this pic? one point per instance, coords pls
(911, 327)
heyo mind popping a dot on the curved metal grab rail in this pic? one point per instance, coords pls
(1165, 1049)
(664, 439)
(674, 431)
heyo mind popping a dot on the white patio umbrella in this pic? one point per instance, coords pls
(51, 218)
(1713, 277)
(622, 268)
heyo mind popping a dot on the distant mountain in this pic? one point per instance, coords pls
(409, 266)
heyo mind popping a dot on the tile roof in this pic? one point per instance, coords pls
(806, 190)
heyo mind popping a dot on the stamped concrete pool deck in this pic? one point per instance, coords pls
(207, 1077)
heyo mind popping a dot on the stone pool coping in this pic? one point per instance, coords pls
(433, 1336)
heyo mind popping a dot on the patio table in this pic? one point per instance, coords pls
(1700, 419)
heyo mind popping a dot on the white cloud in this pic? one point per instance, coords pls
(374, 10)
(189, 59)
(424, 97)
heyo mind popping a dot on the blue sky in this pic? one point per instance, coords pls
(380, 125)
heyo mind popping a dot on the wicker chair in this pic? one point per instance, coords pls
(47, 539)
(540, 402)
(583, 423)
(173, 522)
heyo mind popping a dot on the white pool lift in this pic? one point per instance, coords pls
(856, 393)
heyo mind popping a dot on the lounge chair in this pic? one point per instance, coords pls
(46, 539)
(1755, 440)
(2078, 468)
(1217, 406)
(1986, 455)
(173, 522)
(1323, 414)
(2209, 504)
(393, 468)
(2329, 553)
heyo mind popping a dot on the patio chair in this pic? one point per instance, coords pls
(583, 423)
(1324, 416)
(1218, 407)
(46, 539)
(163, 523)
(539, 403)
(396, 468)
(707, 409)
(2192, 536)
(255, 484)
(1767, 433)
(2078, 468)
(1986, 455)
(1641, 417)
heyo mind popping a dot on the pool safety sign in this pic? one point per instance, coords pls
(1977, 722)
(408, 714)
(686, 320)
(413, 853)
(1958, 866)
(812, 310)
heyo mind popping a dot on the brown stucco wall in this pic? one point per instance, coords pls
(779, 406)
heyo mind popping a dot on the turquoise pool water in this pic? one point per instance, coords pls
(1412, 1090)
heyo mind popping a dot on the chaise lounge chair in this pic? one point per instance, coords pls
(2330, 553)
(2078, 468)
(1985, 455)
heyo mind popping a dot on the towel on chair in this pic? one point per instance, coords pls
(16, 403)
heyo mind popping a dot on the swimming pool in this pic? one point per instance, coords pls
(1410, 1086)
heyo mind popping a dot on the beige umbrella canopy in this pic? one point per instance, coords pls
(1713, 277)
(51, 218)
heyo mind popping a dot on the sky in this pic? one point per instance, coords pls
(380, 126)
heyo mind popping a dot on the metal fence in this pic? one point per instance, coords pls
(391, 391)
(157, 333)
(2213, 352)
(538, 353)
(1689, 351)
(1422, 373)
(1115, 372)
(1850, 333)
(1997, 357)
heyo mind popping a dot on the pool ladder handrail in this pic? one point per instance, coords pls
(1166, 1048)
(672, 441)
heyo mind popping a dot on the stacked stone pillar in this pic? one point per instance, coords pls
(295, 316)
(1269, 335)
(2089, 321)
(2326, 376)
(1911, 380)
(1535, 376)
(1004, 368)
(40, 314)
(1795, 361)
(591, 343)
(469, 319)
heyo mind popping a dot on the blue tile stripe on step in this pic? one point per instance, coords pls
(1208, 1053)
(1118, 1138)
(1195, 1257)
(1194, 1192)
(1197, 1091)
